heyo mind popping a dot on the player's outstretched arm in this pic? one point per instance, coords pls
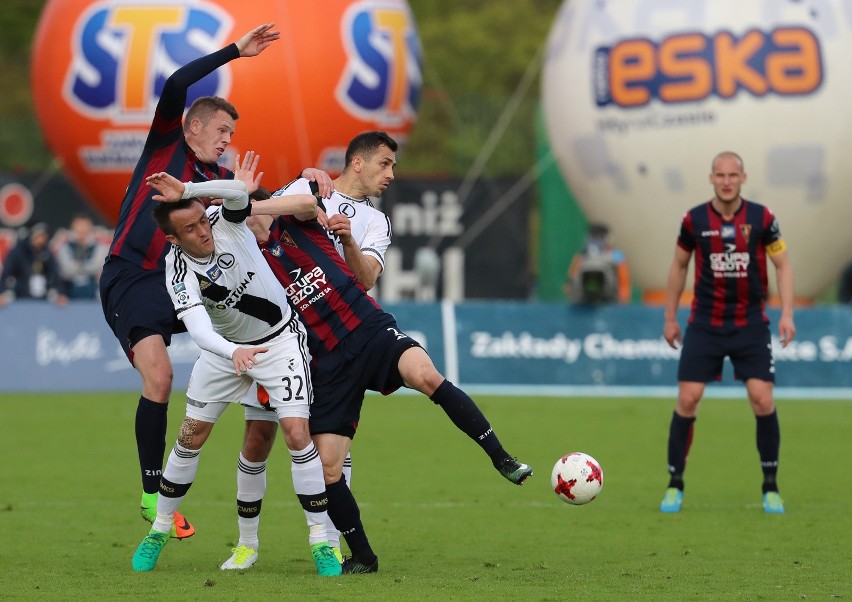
(303, 206)
(257, 40)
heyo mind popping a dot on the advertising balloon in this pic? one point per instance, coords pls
(340, 68)
(639, 97)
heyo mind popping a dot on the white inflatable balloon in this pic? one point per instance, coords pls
(639, 96)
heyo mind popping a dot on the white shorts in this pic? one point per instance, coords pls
(283, 371)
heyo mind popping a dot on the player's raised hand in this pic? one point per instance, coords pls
(245, 358)
(245, 171)
(323, 180)
(170, 188)
(257, 40)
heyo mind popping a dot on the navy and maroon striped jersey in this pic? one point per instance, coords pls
(730, 263)
(137, 238)
(319, 284)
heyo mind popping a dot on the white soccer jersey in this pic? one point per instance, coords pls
(235, 285)
(371, 229)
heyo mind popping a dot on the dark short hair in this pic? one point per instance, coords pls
(367, 143)
(162, 213)
(205, 107)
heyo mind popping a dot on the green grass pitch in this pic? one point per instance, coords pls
(446, 526)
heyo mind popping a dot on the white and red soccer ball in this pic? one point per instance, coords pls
(577, 478)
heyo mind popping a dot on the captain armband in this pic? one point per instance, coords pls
(779, 246)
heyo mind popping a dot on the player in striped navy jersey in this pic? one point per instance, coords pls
(361, 233)
(731, 239)
(357, 346)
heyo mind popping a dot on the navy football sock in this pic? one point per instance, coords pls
(151, 420)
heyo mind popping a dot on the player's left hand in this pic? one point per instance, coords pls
(257, 40)
(245, 171)
(786, 330)
(323, 180)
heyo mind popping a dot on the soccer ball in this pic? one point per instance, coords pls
(577, 478)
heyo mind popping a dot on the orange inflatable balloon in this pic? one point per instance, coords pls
(340, 68)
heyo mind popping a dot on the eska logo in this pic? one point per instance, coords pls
(689, 67)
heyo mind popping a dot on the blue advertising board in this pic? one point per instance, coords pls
(495, 346)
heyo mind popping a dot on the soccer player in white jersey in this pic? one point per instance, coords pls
(362, 239)
(237, 312)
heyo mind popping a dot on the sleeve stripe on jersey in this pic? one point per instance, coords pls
(183, 310)
(180, 266)
(214, 217)
(374, 253)
(387, 219)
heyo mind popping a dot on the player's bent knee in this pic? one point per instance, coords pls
(296, 434)
(259, 438)
(193, 433)
(332, 474)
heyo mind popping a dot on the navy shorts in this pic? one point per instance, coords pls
(366, 359)
(136, 303)
(704, 351)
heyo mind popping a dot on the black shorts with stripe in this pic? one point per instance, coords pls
(705, 348)
(366, 359)
(136, 303)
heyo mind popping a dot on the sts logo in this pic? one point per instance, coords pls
(125, 51)
(382, 78)
(100, 66)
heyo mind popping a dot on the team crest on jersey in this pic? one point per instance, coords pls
(225, 261)
(728, 231)
(745, 230)
(214, 272)
(347, 209)
(287, 239)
